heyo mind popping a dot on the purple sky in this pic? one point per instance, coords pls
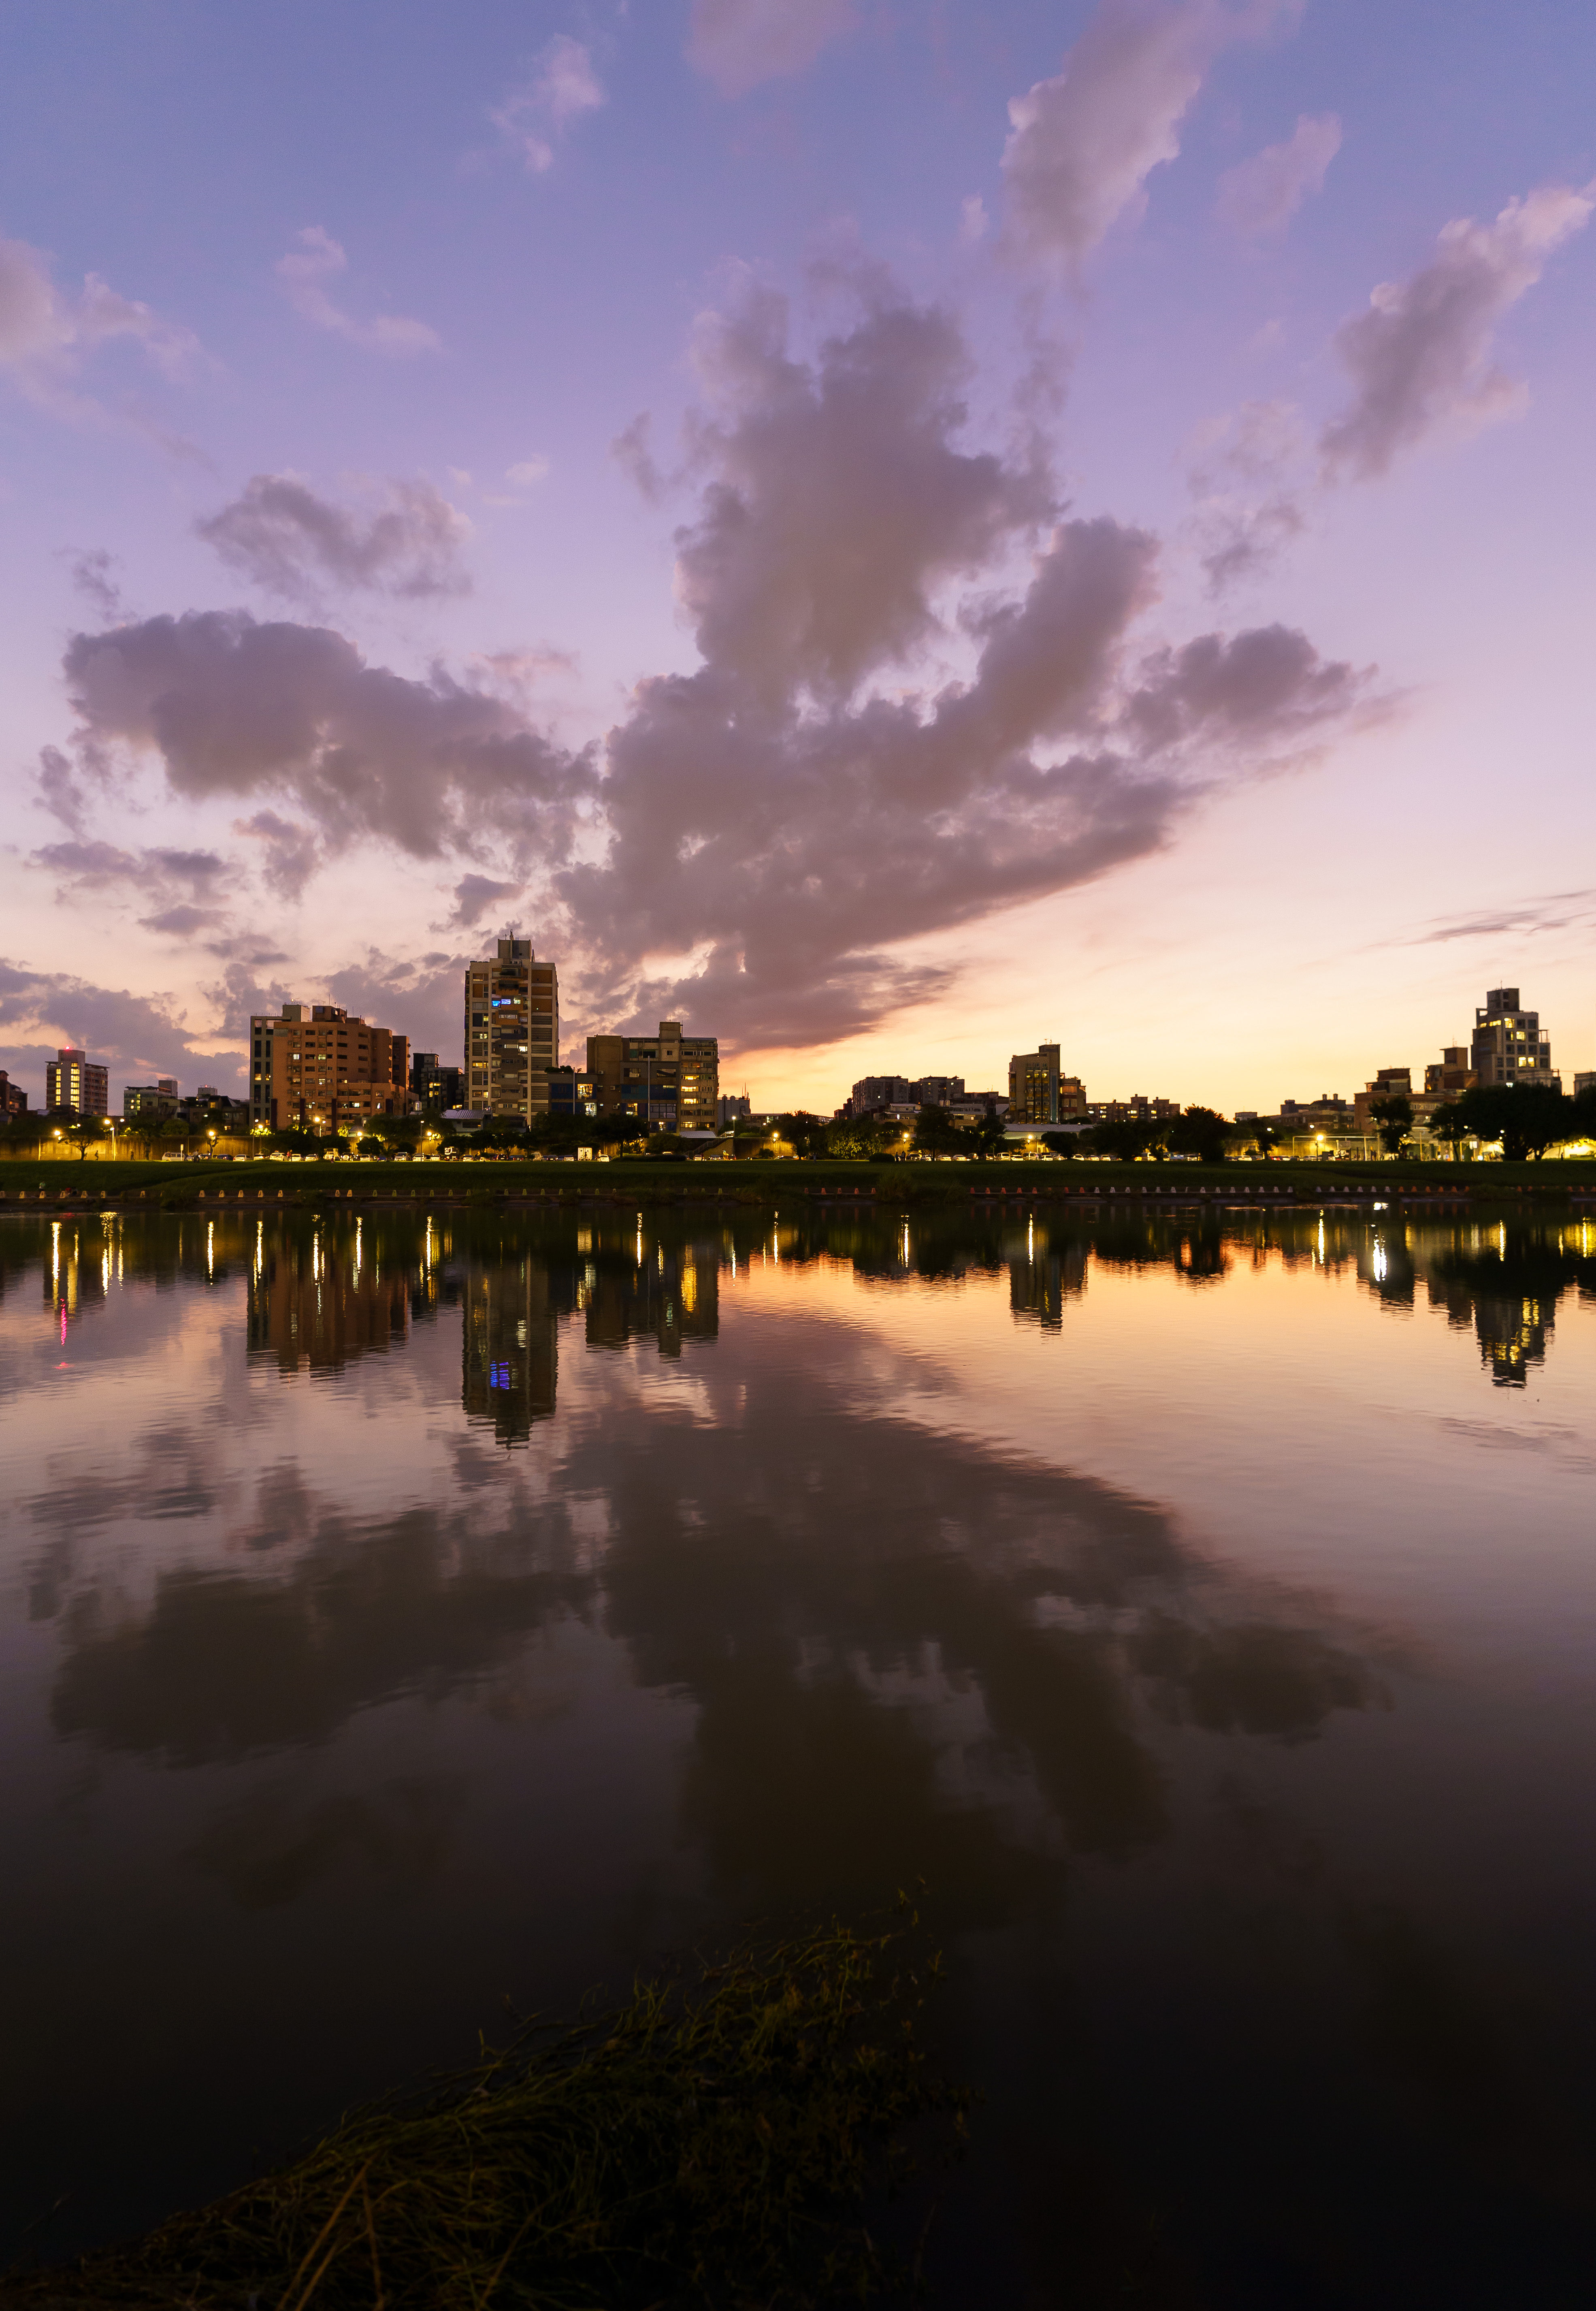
(888, 530)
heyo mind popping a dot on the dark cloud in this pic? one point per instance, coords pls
(238, 708)
(1560, 911)
(184, 921)
(90, 569)
(292, 853)
(137, 1033)
(286, 539)
(474, 894)
(1420, 356)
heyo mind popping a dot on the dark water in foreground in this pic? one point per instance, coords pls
(398, 1615)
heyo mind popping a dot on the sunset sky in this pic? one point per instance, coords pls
(889, 529)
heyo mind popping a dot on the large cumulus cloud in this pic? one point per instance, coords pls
(925, 691)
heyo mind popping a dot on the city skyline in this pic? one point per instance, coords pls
(1014, 584)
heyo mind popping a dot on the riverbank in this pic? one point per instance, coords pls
(640, 1184)
(718, 2144)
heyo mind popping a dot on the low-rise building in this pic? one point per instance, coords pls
(148, 1103)
(572, 1092)
(13, 1099)
(315, 1068)
(669, 1082)
(1453, 1074)
(730, 1108)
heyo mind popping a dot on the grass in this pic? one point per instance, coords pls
(716, 2144)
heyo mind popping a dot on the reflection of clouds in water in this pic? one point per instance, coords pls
(274, 1845)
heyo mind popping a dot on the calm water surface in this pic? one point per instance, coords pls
(401, 1614)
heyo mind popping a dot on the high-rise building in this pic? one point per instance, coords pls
(670, 1082)
(72, 1082)
(512, 1031)
(317, 1069)
(1038, 1092)
(1510, 1045)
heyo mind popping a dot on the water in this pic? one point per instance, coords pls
(400, 1614)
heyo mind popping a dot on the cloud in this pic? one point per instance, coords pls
(128, 1031)
(888, 735)
(736, 44)
(1081, 145)
(234, 708)
(632, 450)
(48, 333)
(474, 894)
(560, 88)
(91, 570)
(286, 539)
(1248, 479)
(528, 473)
(1420, 356)
(292, 854)
(1262, 194)
(786, 816)
(1560, 911)
(304, 273)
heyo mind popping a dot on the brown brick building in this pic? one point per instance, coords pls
(315, 1068)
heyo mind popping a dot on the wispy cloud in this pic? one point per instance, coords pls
(304, 273)
(284, 538)
(736, 44)
(1420, 357)
(1261, 196)
(48, 335)
(561, 87)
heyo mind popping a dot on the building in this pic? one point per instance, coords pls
(315, 1068)
(1038, 1092)
(1137, 1108)
(13, 1099)
(512, 1031)
(146, 1103)
(1451, 1075)
(732, 1108)
(670, 1082)
(572, 1093)
(1510, 1045)
(72, 1082)
(1390, 1083)
(214, 1111)
(1582, 1084)
(1330, 1113)
(434, 1084)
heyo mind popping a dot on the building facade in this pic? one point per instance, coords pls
(670, 1082)
(1452, 1074)
(146, 1103)
(71, 1081)
(572, 1093)
(314, 1068)
(512, 1032)
(1510, 1045)
(435, 1085)
(1040, 1092)
(13, 1099)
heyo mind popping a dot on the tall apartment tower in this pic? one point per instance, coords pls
(1510, 1046)
(70, 1081)
(512, 1031)
(1038, 1092)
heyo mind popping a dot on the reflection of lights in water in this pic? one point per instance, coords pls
(259, 1247)
(733, 1264)
(210, 1247)
(906, 1243)
(1030, 1241)
(1322, 1240)
(1502, 1239)
(775, 1247)
(1380, 1263)
(55, 1252)
(357, 1248)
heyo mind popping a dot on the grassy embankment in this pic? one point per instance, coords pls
(724, 2144)
(133, 1185)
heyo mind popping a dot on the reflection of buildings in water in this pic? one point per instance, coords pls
(633, 1290)
(1505, 1282)
(510, 1353)
(1513, 1335)
(1041, 1278)
(319, 1300)
(79, 1264)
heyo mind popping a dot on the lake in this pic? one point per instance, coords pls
(405, 1612)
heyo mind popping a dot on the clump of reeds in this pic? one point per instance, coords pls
(714, 2142)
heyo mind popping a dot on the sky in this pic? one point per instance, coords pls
(890, 530)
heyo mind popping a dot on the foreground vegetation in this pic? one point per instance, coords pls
(718, 2144)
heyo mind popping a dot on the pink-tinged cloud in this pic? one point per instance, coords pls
(1081, 145)
(286, 539)
(1420, 358)
(304, 273)
(737, 44)
(1261, 196)
(560, 88)
(48, 335)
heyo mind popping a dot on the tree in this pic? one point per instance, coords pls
(1124, 1138)
(988, 1133)
(1265, 1135)
(1393, 1119)
(1200, 1131)
(1526, 1117)
(1061, 1143)
(935, 1133)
